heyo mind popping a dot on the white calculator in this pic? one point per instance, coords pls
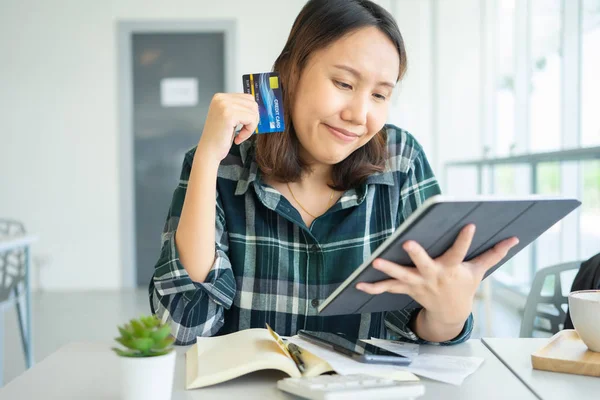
(334, 387)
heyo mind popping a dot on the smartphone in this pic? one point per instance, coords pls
(353, 347)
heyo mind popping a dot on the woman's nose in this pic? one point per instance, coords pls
(356, 110)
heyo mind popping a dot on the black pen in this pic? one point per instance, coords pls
(295, 352)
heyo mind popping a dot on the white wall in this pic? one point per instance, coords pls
(441, 100)
(58, 112)
(458, 76)
(58, 119)
(413, 106)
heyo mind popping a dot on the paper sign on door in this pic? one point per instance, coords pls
(179, 92)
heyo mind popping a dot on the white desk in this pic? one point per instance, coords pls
(516, 355)
(90, 371)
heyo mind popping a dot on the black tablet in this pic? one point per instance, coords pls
(435, 226)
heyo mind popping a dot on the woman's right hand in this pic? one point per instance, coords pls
(225, 113)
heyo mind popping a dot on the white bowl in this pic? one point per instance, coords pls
(584, 307)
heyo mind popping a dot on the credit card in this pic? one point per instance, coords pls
(266, 89)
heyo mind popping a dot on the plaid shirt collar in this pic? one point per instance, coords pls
(251, 175)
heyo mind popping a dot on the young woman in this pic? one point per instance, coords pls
(296, 212)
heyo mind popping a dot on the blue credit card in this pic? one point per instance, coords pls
(266, 89)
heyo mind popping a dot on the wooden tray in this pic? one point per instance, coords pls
(566, 352)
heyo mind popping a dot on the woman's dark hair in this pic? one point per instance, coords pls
(320, 23)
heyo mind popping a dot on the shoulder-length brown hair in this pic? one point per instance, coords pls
(320, 23)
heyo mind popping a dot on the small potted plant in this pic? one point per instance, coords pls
(148, 360)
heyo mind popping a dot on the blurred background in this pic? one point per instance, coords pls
(99, 101)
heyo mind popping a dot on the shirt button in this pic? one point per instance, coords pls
(315, 303)
(314, 248)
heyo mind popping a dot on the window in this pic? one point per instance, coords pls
(589, 221)
(532, 115)
(505, 84)
(545, 70)
(590, 127)
(548, 248)
(590, 73)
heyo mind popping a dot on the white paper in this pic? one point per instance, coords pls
(448, 369)
(409, 350)
(179, 92)
(346, 366)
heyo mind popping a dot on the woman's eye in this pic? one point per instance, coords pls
(379, 96)
(342, 85)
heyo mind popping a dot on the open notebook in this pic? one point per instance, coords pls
(218, 359)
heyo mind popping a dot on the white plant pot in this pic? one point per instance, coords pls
(147, 378)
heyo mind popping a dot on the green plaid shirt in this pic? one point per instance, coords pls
(270, 267)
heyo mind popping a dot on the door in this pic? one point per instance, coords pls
(174, 77)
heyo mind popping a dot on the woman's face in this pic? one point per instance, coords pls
(343, 95)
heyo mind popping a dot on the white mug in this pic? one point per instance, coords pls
(584, 307)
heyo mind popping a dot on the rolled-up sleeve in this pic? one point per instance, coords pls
(398, 325)
(192, 308)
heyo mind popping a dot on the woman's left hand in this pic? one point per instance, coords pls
(446, 286)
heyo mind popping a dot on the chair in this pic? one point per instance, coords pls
(546, 313)
(14, 288)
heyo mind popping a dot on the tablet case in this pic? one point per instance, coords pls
(435, 225)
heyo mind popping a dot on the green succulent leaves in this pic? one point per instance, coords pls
(144, 337)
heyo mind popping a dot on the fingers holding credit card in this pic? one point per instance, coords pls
(265, 88)
(225, 113)
(258, 110)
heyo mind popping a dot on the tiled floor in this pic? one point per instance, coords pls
(63, 317)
